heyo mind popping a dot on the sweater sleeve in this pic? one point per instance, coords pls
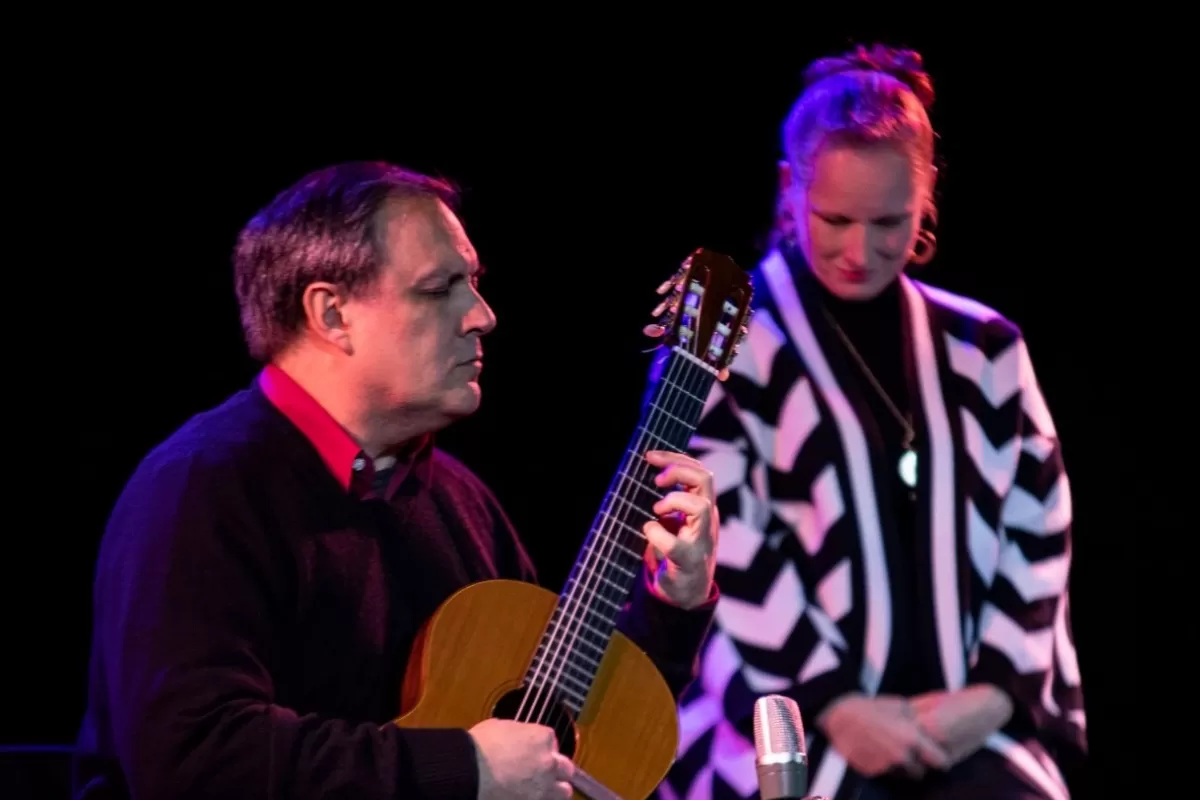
(191, 599)
(670, 635)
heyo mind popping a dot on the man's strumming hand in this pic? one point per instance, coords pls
(520, 760)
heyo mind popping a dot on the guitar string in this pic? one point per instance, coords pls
(607, 545)
(601, 546)
(567, 627)
(604, 545)
(672, 413)
(594, 582)
(541, 681)
(569, 624)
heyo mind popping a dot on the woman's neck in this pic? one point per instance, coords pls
(870, 335)
(881, 312)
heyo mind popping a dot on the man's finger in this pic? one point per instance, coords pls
(660, 539)
(689, 475)
(564, 768)
(661, 458)
(681, 502)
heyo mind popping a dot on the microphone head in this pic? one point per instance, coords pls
(782, 757)
(777, 727)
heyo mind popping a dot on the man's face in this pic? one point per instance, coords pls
(416, 339)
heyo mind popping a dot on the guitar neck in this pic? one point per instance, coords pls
(612, 556)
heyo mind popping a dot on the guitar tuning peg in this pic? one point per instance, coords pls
(741, 337)
(666, 285)
(746, 324)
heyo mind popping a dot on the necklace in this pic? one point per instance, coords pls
(907, 466)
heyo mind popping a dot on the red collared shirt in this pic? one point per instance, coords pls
(344, 457)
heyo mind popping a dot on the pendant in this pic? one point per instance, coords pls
(908, 468)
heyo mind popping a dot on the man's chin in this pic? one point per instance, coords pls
(464, 401)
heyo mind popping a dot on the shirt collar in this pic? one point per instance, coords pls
(342, 455)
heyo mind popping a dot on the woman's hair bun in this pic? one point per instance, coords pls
(902, 64)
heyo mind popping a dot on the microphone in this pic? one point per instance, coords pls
(781, 754)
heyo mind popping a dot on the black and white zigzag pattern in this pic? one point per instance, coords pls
(805, 607)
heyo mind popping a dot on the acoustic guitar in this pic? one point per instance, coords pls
(514, 650)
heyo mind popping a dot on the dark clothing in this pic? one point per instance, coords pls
(984, 775)
(254, 614)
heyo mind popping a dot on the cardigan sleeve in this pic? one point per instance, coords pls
(1025, 640)
(735, 439)
(192, 599)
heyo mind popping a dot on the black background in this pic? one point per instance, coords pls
(587, 180)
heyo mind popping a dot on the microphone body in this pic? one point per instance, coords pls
(781, 755)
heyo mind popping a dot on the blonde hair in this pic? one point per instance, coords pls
(863, 97)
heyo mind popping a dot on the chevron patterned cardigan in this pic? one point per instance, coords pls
(805, 608)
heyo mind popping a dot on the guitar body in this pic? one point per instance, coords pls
(476, 650)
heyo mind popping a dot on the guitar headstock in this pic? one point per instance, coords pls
(706, 310)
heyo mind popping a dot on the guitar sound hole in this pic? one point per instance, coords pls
(548, 711)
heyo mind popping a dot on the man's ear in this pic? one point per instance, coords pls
(323, 315)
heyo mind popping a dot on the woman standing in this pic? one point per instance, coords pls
(896, 517)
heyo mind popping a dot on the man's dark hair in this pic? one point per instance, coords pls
(328, 226)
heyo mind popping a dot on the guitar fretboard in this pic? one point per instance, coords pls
(612, 557)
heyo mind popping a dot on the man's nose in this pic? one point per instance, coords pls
(480, 319)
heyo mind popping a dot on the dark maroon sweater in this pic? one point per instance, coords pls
(253, 619)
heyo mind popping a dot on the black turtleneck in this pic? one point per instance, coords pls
(876, 329)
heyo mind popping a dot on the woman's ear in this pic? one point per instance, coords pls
(785, 176)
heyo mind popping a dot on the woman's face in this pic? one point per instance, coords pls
(858, 218)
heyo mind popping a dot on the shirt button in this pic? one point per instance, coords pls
(359, 463)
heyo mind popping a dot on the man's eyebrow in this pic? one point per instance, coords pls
(455, 266)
